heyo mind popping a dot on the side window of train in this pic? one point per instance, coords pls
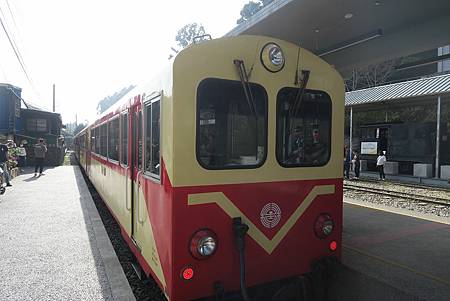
(303, 128)
(93, 140)
(152, 138)
(97, 140)
(124, 139)
(231, 127)
(103, 140)
(113, 139)
(139, 139)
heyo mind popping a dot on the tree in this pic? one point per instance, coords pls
(108, 101)
(370, 76)
(187, 33)
(251, 9)
(79, 128)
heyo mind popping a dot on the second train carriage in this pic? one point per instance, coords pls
(225, 172)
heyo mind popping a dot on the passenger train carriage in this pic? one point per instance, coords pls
(225, 171)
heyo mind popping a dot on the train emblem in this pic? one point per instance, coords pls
(270, 215)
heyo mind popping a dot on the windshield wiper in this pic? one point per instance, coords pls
(245, 85)
(248, 95)
(293, 111)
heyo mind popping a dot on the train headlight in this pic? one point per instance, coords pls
(324, 226)
(203, 244)
(272, 57)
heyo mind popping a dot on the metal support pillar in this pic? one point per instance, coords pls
(438, 135)
(351, 130)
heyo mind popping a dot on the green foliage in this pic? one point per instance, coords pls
(252, 8)
(108, 101)
(187, 33)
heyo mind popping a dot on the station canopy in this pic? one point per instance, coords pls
(353, 33)
(432, 86)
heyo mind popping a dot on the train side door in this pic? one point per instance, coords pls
(136, 155)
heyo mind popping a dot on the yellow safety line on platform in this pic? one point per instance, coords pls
(399, 265)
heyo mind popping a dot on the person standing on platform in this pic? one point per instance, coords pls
(39, 156)
(3, 160)
(347, 160)
(22, 153)
(381, 160)
(356, 164)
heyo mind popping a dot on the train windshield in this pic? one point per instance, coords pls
(231, 131)
(303, 128)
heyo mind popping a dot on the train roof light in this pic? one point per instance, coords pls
(272, 57)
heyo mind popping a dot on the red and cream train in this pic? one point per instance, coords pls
(225, 171)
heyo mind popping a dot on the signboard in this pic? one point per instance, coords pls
(369, 148)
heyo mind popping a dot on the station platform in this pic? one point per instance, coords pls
(53, 245)
(393, 256)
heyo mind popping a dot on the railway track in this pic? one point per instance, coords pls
(398, 194)
(408, 185)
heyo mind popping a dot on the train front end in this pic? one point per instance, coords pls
(256, 171)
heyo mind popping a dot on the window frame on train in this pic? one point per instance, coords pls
(233, 90)
(113, 138)
(103, 135)
(124, 127)
(304, 133)
(93, 140)
(150, 102)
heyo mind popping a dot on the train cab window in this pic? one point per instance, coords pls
(113, 139)
(152, 142)
(303, 128)
(125, 139)
(103, 140)
(231, 128)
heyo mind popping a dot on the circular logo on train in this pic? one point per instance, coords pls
(270, 215)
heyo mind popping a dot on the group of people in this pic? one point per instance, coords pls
(8, 147)
(353, 160)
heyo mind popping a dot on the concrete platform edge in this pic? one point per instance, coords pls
(401, 211)
(120, 289)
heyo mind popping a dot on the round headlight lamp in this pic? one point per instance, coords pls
(323, 226)
(203, 244)
(272, 57)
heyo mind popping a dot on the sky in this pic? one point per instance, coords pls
(91, 49)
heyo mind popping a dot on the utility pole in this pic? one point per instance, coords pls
(53, 98)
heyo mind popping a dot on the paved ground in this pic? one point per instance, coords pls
(407, 258)
(53, 245)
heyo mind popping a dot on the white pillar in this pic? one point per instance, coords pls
(351, 129)
(438, 134)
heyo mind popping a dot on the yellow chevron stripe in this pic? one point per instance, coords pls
(267, 244)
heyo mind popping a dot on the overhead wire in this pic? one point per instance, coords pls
(14, 46)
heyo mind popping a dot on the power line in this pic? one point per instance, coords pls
(12, 33)
(13, 45)
(12, 17)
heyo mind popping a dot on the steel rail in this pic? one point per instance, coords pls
(403, 195)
